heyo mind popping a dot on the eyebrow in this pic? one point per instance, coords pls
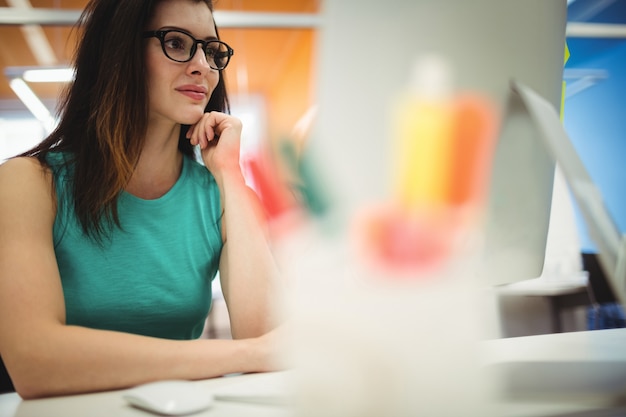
(206, 38)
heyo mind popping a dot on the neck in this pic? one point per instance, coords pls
(159, 165)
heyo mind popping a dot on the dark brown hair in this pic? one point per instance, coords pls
(104, 112)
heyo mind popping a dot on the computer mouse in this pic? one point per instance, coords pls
(169, 397)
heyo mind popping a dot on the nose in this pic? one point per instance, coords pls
(199, 63)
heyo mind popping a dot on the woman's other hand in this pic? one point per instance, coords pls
(219, 136)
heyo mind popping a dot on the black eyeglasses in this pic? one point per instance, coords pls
(181, 47)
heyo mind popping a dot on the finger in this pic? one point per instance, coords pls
(206, 131)
(189, 133)
(209, 130)
(198, 133)
(195, 137)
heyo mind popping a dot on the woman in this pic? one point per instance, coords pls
(110, 231)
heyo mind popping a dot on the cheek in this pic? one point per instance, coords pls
(151, 65)
(153, 78)
(213, 80)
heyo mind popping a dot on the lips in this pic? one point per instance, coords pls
(195, 92)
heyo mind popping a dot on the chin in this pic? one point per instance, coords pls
(191, 117)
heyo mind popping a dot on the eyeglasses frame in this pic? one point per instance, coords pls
(160, 35)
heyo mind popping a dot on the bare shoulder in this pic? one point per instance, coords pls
(23, 165)
(25, 185)
(24, 170)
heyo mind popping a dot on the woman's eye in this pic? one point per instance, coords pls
(175, 43)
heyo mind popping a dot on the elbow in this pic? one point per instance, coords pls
(29, 392)
(26, 387)
(250, 330)
(243, 332)
(32, 381)
(31, 387)
(36, 367)
(34, 387)
(239, 334)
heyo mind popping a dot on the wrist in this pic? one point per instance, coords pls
(230, 176)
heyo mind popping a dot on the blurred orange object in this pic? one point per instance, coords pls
(444, 154)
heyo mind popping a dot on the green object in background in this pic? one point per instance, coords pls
(310, 187)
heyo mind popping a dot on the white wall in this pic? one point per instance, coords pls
(18, 135)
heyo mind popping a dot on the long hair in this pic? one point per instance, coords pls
(104, 111)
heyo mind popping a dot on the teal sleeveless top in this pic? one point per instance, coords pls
(153, 275)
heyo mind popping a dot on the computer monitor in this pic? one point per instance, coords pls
(366, 51)
(602, 228)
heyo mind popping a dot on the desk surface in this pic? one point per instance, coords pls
(111, 404)
(599, 358)
(562, 374)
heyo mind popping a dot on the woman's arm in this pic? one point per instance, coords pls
(43, 355)
(248, 272)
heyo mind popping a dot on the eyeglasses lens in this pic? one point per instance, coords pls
(219, 53)
(179, 46)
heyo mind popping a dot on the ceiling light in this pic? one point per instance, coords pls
(48, 75)
(32, 102)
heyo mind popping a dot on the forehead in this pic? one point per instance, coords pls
(193, 16)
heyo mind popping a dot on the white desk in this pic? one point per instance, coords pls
(111, 404)
(571, 372)
(543, 385)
